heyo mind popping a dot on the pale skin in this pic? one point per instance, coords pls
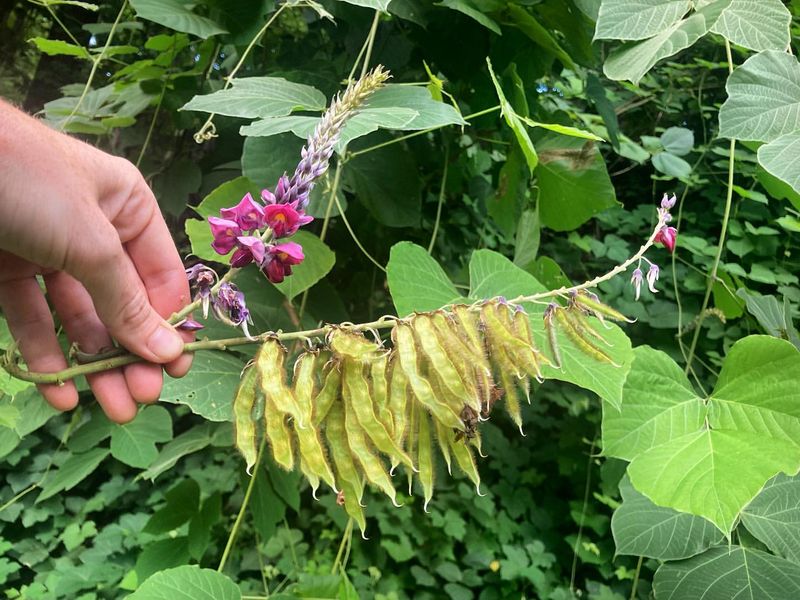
(89, 224)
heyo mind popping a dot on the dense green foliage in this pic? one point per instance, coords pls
(671, 476)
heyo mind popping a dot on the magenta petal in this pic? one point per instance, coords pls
(268, 197)
(189, 325)
(248, 214)
(254, 245)
(290, 253)
(225, 233)
(274, 271)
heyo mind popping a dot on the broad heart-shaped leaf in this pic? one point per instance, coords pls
(251, 97)
(134, 443)
(763, 98)
(781, 158)
(492, 274)
(755, 24)
(74, 470)
(709, 457)
(637, 19)
(728, 572)
(633, 60)
(176, 15)
(515, 123)
(416, 281)
(209, 390)
(573, 182)
(319, 260)
(188, 582)
(641, 528)
(774, 516)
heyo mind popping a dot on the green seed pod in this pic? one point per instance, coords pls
(511, 403)
(404, 343)
(272, 376)
(581, 324)
(582, 344)
(444, 447)
(379, 392)
(278, 434)
(353, 346)
(243, 423)
(310, 475)
(312, 456)
(330, 391)
(361, 451)
(552, 334)
(336, 436)
(592, 303)
(350, 495)
(411, 442)
(503, 341)
(465, 460)
(304, 382)
(398, 399)
(355, 391)
(425, 457)
(469, 323)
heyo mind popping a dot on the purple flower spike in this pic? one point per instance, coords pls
(225, 233)
(636, 280)
(248, 214)
(652, 277)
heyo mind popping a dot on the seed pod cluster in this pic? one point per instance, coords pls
(355, 410)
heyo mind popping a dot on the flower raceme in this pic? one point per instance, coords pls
(665, 235)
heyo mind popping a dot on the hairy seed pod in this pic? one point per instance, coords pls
(582, 344)
(351, 494)
(336, 435)
(353, 346)
(444, 447)
(456, 384)
(552, 334)
(466, 462)
(330, 391)
(511, 403)
(309, 474)
(379, 392)
(361, 451)
(243, 423)
(270, 361)
(405, 345)
(278, 434)
(304, 382)
(591, 303)
(425, 457)
(413, 409)
(398, 398)
(503, 341)
(581, 324)
(312, 456)
(355, 392)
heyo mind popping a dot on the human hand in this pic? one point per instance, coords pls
(88, 223)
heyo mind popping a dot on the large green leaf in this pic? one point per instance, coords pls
(319, 260)
(74, 470)
(763, 98)
(755, 24)
(416, 281)
(709, 457)
(637, 19)
(466, 7)
(193, 440)
(538, 33)
(134, 443)
(209, 390)
(515, 123)
(781, 158)
(59, 48)
(573, 182)
(641, 528)
(774, 517)
(726, 572)
(251, 97)
(381, 5)
(188, 582)
(176, 15)
(633, 60)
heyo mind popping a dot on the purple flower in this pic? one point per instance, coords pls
(667, 236)
(248, 214)
(203, 278)
(189, 325)
(285, 219)
(652, 277)
(251, 248)
(225, 233)
(229, 307)
(636, 280)
(279, 260)
(668, 202)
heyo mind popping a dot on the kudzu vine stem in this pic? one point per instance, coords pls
(9, 362)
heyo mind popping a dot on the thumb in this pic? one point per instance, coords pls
(122, 303)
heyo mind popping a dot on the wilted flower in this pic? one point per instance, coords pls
(229, 307)
(203, 278)
(636, 280)
(652, 277)
(667, 236)
(248, 214)
(279, 260)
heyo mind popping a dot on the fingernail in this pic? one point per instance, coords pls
(165, 343)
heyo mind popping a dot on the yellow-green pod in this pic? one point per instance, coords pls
(379, 392)
(272, 376)
(592, 303)
(310, 475)
(477, 443)
(581, 324)
(552, 334)
(304, 382)
(355, 391)
(328, 394)
(353, 345)
(405, 346)
(425, 456)
(582, 344)
(312, 454)
(469, 323)
(511, 403)
(465, 461)
(502, 341)
(352, 504)
(279, 434)
(336, 434)
(474, 371)
(360, 450)
(411, 441)
(444, 447)
(399, 399)
(243, 423)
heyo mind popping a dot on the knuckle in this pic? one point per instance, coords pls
(135, 312)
